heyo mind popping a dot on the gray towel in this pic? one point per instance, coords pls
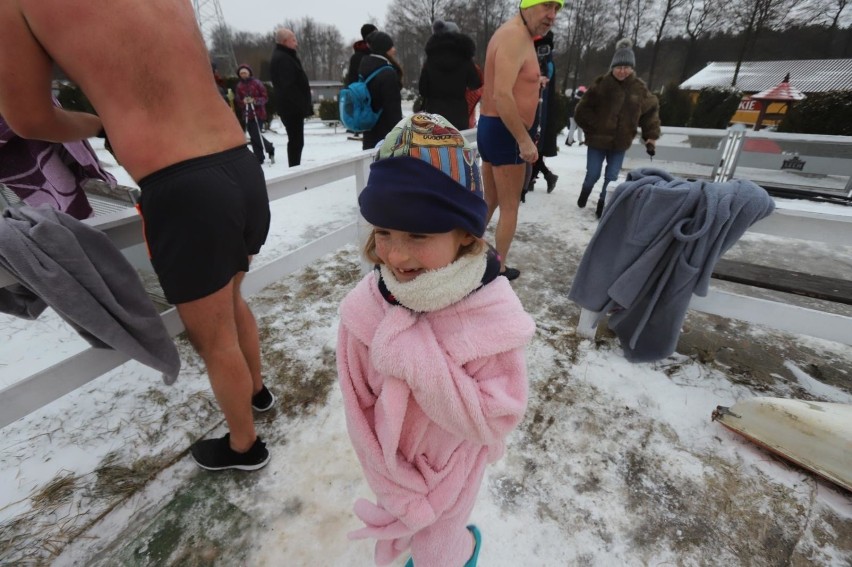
(655, 246)
(75, 269)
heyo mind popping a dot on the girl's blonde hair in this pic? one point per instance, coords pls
(474, 248)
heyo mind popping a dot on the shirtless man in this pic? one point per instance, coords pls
(507, 115)
(145, 69)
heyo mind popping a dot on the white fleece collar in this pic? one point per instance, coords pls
(437, 289)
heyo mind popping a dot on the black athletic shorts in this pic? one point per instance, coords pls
(203, 218)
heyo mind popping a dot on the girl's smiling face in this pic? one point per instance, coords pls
(408, 254)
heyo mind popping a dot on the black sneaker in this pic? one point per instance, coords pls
(263, 400)
(217, 455)
(511, 273)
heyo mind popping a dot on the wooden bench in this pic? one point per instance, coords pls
(787, 281)
(792, 222)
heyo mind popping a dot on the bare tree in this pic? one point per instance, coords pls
(668, 8)
(481, 19)
(622, 10)
(699, 18)
(829, 12)
(751, 17)
(590, 29)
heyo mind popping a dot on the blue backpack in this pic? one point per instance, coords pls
(356, 110)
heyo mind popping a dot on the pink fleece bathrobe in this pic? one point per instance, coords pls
(429, 400)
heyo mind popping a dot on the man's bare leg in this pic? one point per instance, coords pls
(489, 189)
(248, 334)
(509, 182)
(211, 323)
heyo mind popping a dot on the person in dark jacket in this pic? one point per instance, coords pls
(572, 123)
(360, 49)
(251, 97)
(384, 88)
(292, 92)
(546, 116)
(609, 113)
(448, 71)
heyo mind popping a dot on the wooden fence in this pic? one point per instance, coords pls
(124, 228)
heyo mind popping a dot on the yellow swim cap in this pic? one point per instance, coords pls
(530, 3)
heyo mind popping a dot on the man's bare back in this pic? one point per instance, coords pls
(143, 66)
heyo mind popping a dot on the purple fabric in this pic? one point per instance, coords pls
(49, 173)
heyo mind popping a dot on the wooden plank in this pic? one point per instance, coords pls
(773, 314)
(788, 281)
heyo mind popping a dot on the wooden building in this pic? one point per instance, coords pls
(807, 76)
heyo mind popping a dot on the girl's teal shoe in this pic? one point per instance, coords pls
(478, 538)
(473, 558)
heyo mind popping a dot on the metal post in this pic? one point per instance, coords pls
(730, 154)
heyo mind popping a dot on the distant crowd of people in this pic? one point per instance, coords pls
(431, 347)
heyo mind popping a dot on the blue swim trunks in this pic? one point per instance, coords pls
(495, 143)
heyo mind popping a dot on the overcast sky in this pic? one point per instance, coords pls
(262, 16)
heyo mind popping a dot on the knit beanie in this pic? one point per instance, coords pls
(244, 66)
(623, 54)
(366, 30)
(425, 179)
(530, 3)
(379, 42)
(440, 26)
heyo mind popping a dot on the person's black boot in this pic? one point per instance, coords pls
(584, 197)
(551, 178)
(599, 209)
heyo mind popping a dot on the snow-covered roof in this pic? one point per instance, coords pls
(806, 75)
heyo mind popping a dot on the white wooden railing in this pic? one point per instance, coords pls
(789, 222)
(721, 153)
(125, 230)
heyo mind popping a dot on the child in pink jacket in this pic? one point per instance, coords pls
(430, 348)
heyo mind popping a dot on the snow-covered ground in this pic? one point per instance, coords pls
(615, 463)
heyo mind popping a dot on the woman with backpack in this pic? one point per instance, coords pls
(384, 87)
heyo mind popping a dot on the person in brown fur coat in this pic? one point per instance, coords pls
(616, 104)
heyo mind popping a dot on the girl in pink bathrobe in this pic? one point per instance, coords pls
(430, 349)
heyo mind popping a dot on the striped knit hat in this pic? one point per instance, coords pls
(425, 179)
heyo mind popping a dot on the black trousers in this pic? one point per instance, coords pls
(539, 167)
(258, 142)
(295, 139)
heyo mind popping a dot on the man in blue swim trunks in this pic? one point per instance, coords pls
(203, 193)
(507, 115)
